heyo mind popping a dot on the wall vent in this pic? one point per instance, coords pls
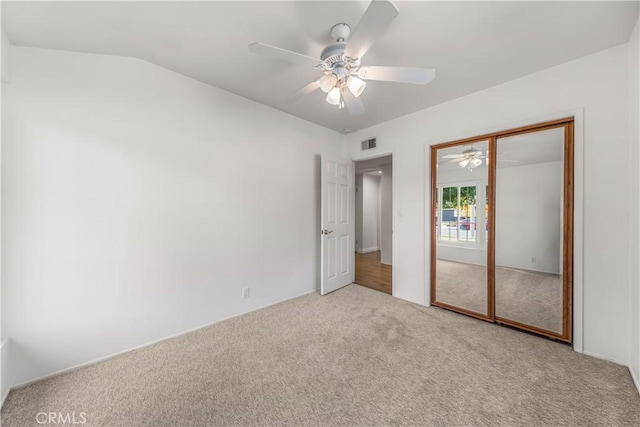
(369, 144)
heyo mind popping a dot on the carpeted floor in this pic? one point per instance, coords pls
(529, 297)
(354, 357)
(462, 285)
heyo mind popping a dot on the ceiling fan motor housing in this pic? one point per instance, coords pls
(332, 54)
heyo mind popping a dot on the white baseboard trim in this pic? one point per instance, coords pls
(139, 347)
(367, 250)
(385, 263)
(5, 362)
(635, 379)
(608, 359)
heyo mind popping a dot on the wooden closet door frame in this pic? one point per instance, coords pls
(567, 227)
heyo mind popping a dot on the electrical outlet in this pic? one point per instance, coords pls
(246, 292)
(534, 259)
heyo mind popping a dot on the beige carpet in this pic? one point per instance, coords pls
(529, 297)
(354, 357)
(462, 285)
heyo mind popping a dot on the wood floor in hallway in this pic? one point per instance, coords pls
(370, 272)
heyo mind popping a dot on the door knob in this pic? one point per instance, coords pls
(325, 231)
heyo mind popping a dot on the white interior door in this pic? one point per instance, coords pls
(338, 228)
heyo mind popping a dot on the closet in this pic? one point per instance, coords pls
(502, 227)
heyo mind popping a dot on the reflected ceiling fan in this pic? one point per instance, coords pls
(472, 158)
(344, 79)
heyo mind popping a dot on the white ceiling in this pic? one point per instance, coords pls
(472, 45)
(530, 148)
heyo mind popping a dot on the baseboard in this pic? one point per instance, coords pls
(139, 347)
(528, 269)
(460, 262)
(385, 263)
(4, 359)
(635, 379)
(608, 359)
(367, 250)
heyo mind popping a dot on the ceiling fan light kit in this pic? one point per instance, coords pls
(356, 85)
(328, 82)
(333, 97)
(470, 158)
(343, 79)
(470, 163)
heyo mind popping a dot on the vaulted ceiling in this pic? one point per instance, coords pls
(472, 45)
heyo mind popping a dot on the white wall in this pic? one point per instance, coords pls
(386, 211)
(138, 202)
(599, 84)
(5, 380)
(6, 59)
(468, 254)
(529, 216)
(634, 231)
(370, 213)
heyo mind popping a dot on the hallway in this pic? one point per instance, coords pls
(371, 273)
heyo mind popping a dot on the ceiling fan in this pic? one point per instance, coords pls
(344, 79)
(472, 158)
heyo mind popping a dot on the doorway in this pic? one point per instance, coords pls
(373, 223)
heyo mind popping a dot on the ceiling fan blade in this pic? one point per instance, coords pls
(375, 20)
(282, 54)
(418, 76)
(311, 87)
(451, 156)
(354, 105)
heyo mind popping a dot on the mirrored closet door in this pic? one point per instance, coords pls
(502, 235)
(460, 227)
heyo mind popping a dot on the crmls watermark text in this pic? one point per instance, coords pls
(61, 418)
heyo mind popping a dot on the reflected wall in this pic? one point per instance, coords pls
(528, 229)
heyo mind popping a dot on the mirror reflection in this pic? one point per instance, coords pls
(461, 226)
(528, 228)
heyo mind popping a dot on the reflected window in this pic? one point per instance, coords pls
(458, 210)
